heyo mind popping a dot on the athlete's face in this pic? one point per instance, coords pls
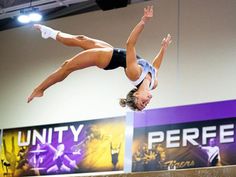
(142, 99)
(212, 142)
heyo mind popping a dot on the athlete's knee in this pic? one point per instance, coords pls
(84, 39)
(81, 37)
(65, 63)
(71, 40)
(66, 68)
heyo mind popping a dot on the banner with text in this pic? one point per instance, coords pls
(185, 137)
(77, 147)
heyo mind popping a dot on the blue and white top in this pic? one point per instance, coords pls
(146, 68)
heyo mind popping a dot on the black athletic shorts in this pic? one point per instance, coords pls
(118, 59)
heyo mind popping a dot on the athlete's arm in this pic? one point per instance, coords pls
(159, 57)
(133, 69)
(148, 14)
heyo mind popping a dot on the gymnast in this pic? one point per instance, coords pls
(141, 73)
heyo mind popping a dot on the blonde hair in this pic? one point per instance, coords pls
(129, 100)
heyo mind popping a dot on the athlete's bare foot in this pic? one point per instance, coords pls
(36, 93)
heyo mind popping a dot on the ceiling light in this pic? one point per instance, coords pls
(23, 18)
(29, 15)
(35, 17)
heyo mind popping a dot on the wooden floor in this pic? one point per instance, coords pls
(227, 171)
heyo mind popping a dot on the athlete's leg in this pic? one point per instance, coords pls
(71, 40)
(53, 168)
(82, 41)
(99, 57)
(64, 168)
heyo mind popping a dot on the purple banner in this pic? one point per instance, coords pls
(183, 137)
(188, 113)
(77, 147)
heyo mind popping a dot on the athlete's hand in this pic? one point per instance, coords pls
(166, 41)
(148, 14)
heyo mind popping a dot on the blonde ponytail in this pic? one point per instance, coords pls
(123, 102)
(129, 100)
